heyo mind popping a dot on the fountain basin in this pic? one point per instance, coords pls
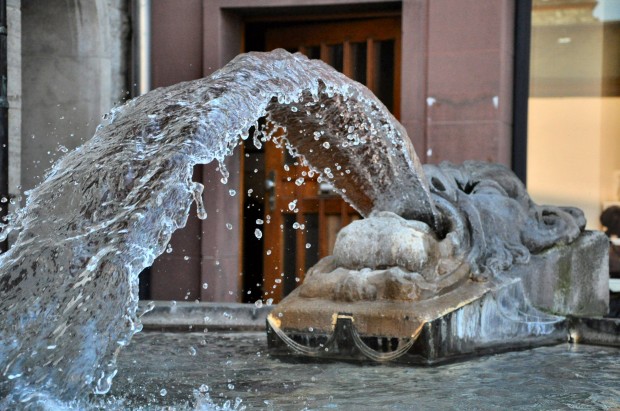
(238, 365)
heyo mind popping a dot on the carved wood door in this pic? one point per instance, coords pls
(302, 215)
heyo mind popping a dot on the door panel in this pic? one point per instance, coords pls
(367, 51)
(303, 215)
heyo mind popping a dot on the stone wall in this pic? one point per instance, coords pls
(74, 64)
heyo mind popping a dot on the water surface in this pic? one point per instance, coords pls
(237, 365)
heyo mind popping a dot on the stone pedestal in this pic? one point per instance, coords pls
(472, 320)
(515, 310)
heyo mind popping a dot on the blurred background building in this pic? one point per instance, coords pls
(533, 85)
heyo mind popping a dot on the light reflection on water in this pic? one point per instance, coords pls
(238, 366)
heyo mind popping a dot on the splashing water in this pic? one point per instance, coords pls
(69, 284)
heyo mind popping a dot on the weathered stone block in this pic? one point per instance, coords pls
(570, 279)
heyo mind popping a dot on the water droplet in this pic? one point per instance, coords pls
(186, 258)
(192, 351)
(295, 225)
(326, 144)
(269, 301)
(232, 192)
(169, 248)
(308, 245)
(229, 226)
(294, 109)
(292, 205)
(250, 191)
(205, 286)
(258, 303)
(149, 307)
(268, 252)
(299, 181)
(258, 233)
(259, 221)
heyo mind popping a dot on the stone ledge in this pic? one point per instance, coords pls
(594, 331)
(196, 316)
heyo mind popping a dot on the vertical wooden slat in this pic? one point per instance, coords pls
(345, 217)
(370, 64)
(323, 246)
(397, 76)
(300, 250)
(272, 233)
(347, 59)
(325, 53)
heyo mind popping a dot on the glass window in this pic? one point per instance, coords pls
(574, 106)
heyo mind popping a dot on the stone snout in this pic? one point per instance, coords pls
(386, 257)
(387, 240)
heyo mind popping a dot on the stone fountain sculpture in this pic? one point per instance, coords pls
(471, 266)
(482, 269)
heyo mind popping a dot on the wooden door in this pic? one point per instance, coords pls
(303, 215)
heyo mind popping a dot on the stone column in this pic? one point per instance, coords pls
(14, 91)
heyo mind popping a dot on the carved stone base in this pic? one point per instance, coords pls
(478, 318)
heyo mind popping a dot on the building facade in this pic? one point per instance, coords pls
(456, 102)
(454, 72)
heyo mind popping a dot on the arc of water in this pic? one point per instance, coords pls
(67, 306)
(378, 169)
